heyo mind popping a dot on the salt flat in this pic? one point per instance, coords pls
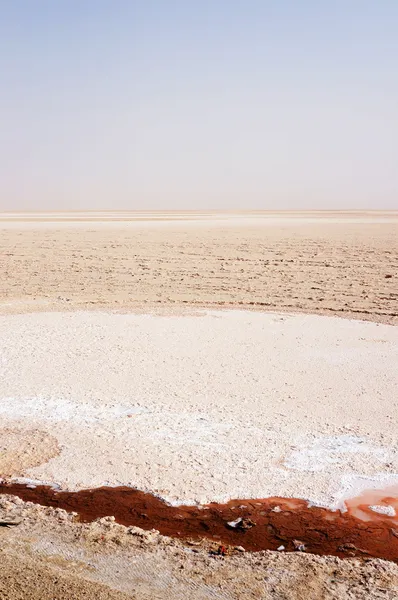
(203, 407)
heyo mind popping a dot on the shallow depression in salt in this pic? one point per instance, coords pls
(202, 407)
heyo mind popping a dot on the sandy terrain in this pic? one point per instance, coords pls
(345, 265)
(341, 264)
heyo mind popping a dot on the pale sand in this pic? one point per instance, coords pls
(21, 448)
(221, 405)
(330, 265)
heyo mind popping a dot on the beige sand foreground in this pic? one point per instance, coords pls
(335, 264)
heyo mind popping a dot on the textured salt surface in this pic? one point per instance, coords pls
(388, 510)
(203, 408)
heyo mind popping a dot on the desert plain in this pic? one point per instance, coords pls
(199, 357)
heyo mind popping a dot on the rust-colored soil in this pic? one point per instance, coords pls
(266, 523)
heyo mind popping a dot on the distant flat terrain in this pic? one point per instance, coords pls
(343, 263)
(195, 215)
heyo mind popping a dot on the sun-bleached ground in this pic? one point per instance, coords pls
(344, 264)
(331, 263)
(220, 405)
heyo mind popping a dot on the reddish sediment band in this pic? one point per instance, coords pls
(260, 524)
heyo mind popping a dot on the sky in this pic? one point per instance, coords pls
(181, 104)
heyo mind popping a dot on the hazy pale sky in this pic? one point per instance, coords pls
(140, 104)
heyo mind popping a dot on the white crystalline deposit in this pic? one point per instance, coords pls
(389, 511)
(211, 406)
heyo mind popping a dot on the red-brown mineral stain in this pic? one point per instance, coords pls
(271, 522)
